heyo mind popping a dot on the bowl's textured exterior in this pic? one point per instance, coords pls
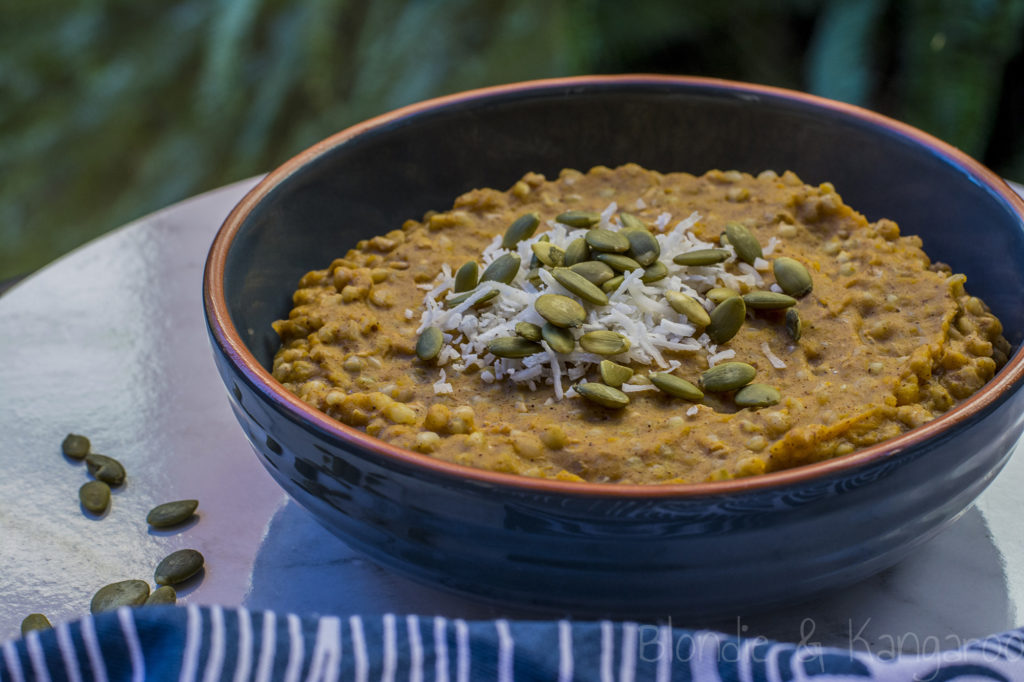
(713, 548)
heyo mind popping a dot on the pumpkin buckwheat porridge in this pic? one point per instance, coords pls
(630, 326)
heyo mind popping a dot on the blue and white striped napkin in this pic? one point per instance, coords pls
(211, 643)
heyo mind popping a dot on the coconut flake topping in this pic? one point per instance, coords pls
(637, 310)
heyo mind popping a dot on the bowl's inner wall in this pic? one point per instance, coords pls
(372, 183)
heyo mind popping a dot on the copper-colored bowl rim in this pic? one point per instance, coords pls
(230, 341)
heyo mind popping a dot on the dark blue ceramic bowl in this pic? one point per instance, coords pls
(602, 548)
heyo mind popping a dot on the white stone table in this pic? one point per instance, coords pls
(110, 341)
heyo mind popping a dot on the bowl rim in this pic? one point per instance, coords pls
(229, 341)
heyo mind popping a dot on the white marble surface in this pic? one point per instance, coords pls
(110, 341)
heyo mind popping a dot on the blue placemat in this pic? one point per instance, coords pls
(211, 643)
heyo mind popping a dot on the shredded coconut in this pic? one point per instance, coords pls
(635, 309)
(442, 385)
(776, 361)
(716, 358)
(637, 388)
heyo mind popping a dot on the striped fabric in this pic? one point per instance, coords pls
(207, 644)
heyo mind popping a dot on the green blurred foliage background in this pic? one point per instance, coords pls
(110, 109)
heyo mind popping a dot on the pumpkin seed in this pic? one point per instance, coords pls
(594, 270)
(534, 261)
(614, 374)
(606, 241)
(719, 294)
(748, 249)
(34, 621)
(726, 319)
(528, 330)
(548, 254)
(580, 285)
(727, 376)
(522, 228)
(559, 310)
(701, 257)
(757, 395)
(688, 307)
(578, 218)
(171, 513)
(164, 594)
(792, 276)
(654, 272)
(768, 300)
(116, 595)
(618, 262)
(604, 342)
(178, 567)
(576, 252)
(75, 446)
(513, 347)
(643, 247)
(793, 324)
(503, 269)
(466, 277)
(612, 284)
(429, 344)
(95, 496)
(603, 395)
(632, 222)
(673, 385)
(106, 469)
(561, 340)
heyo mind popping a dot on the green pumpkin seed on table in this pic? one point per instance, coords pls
(170, 514)
(132, 592)
(75, 446)
(178, 566)
(106, 469)
(95, 496)
(163, 595)
(34, 621)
